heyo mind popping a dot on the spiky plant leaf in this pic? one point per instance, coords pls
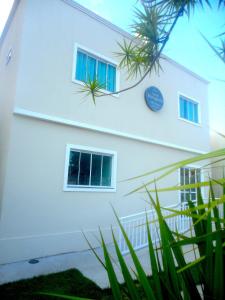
(153, 261)
(64, 296)
(92, 88)
(132, 289)
(142, 277)
(110, 271)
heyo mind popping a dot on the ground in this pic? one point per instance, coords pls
(70, 282)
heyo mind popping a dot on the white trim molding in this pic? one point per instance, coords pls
(89, 188)
(67, 122)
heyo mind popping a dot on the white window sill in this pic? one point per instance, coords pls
(89, 189)
(190, 122)
(103, 91)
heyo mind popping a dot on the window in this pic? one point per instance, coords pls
(189, 175)
(189, 110)
(89, 66)
(89, 169)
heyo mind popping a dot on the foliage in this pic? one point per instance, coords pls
(151, 30)
(219, 51)
(70, 282)
(172, 277)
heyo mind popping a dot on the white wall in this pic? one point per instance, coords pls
(38, 217)
(8, 78)
(45, 84)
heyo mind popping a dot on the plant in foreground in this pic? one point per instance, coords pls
(171, 276)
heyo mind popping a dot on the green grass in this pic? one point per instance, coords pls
(70, 282)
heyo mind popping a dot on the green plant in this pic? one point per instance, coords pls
(172, 277)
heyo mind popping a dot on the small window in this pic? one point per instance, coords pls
(90, 67)
(189, 176)
(189, 110)
(90, 169)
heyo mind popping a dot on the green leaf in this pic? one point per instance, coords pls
(167, 255)
(155, 270)
(64, 296)
(133, 292)
(209, 254)
(220, 55)
(173, 167)
(220, 181)
(144, 282)
(218, 290)
(190, 265)
(110, 271)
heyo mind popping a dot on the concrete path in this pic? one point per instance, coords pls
(84, 261)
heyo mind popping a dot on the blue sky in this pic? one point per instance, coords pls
(185, 45)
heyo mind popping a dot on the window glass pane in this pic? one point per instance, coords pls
(84, 168)
(106, 170)
(183, 108)
(91, 68)
(195, 113)
(187, 197)
(102, 74)
(186, 176)
(193, 196)
(191, 111)
(81, 66)
(188, 110)
(198, 175)
(182, 176)
(193, 179)
(111, 78)
(182, 197)
(96, 170)
(73, 167)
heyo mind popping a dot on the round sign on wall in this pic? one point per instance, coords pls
(154, 98)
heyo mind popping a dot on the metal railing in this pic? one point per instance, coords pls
(135, 227)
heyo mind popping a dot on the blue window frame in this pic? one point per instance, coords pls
(189, 110)
(90, 67)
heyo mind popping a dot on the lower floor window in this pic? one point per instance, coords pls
(189, 175)
(90, 168)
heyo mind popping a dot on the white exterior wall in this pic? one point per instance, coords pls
(8, 80)
(38, 217)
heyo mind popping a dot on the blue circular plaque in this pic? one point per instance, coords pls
(154, 98)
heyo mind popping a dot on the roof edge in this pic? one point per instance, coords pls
(9, 21)
(128, 35)
(182, 67)
(101, 20)
(98, 18)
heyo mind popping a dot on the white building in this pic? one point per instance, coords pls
(63, 159)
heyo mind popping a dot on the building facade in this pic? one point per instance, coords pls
(63, 159)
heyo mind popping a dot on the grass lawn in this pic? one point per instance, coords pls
(70, 282)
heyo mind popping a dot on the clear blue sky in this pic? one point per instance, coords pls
(185, 45)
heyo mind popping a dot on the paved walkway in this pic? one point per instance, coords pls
(84, 261)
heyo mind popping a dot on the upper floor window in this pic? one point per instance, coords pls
(189, 109)
(189, 175)
(88, 169)
(89, 66)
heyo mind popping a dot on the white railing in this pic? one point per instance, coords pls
(135, 227)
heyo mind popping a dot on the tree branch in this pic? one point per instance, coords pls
(179, 13)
